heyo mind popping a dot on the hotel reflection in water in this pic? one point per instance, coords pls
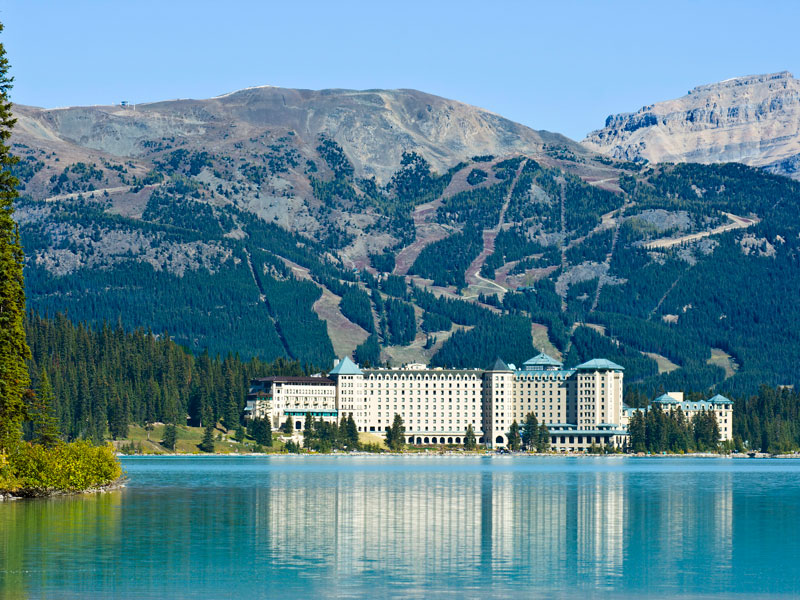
(587, 527)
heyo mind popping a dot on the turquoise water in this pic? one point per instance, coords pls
(414, 527)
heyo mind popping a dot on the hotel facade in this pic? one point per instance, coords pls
(581, 406)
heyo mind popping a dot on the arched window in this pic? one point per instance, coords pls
(427, 441)
(298, 425)
(499, 439)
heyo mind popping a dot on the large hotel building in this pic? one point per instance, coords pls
(581, 406)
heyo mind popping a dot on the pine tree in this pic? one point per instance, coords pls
(207, 445)
(171, 436)
(514, 440)
(469, 439)
(351, 432)
(543, 440)
(308, 432)
(13, 347)
(287, 426)
(45, 425)
(530, 432)
(637, 432)
(395, 436)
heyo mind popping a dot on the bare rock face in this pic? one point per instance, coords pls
(753, 120)
(374, 127)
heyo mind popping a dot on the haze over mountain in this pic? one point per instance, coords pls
(754, 120)
(398, 226)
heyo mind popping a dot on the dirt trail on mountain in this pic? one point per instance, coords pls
(736, 223)
(472, 275)
(428, 232)
(111, 190)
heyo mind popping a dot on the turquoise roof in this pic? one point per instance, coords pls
(600, 364)
(666, 399)
(720, 399)
(542, 360)
(346, 367)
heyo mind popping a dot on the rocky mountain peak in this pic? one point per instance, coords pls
(754, 120)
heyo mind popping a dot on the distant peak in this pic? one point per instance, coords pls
(742, 81)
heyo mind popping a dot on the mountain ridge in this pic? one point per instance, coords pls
(754, 119)
(243, 224)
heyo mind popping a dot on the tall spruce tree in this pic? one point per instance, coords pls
(469, 439)
(396, 434)
(207, 444)
(170, 436)
(514, 439)
(45, 424)
(543, 440)
(530, 432)
(13, 348)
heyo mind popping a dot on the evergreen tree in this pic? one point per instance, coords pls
(395, 436)
(261, 432)
(637, 433)
(118, 419)
(514, 439)
(469, 439)
(543, 440)
(45, 425)
(239, 437)
(350, 432)
(288, 426)
(170, 436)
(13, 347)
(308, 432)
(530, 432)
(207, 445)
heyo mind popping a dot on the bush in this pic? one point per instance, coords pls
(34, 470)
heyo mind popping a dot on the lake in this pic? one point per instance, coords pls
(414, 527)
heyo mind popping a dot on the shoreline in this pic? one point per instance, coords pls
(117, 484)
(460, 454)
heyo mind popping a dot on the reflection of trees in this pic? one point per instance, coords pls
(403, 524)
(38, 538)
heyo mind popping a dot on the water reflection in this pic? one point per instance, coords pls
(409, 527)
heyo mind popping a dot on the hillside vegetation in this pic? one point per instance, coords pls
(228, 238)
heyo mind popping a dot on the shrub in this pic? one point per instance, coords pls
(35, 470)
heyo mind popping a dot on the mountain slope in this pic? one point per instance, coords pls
(235, 228)
(754, 120)
(374, 127)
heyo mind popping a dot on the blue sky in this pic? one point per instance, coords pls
(562, 66)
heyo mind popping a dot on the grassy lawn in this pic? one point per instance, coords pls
(188, 440)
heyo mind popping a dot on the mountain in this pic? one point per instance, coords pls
(397, 226)
(753, 120)
(373, 127)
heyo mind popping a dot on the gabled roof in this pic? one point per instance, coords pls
(600, 364)
(499, 365)
(720, 399)
(346, 367)
(542, 360)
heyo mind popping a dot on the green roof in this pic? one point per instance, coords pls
(346, 367)
(720, 399)
(499, 365)
(542, 360)
(600, 364)
(666, 399)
